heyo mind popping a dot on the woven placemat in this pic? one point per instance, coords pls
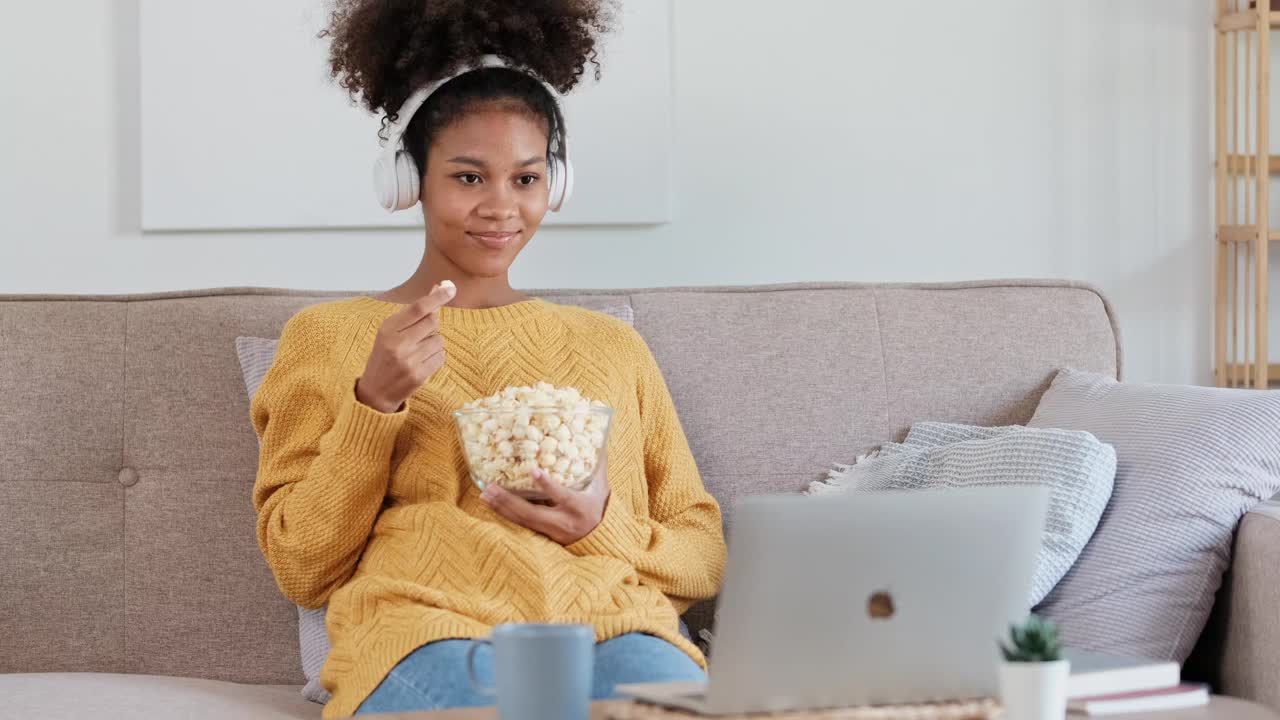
(987, 709)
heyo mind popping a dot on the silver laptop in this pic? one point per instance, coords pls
(866, 598)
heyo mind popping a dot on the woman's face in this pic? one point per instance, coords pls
(484, 191)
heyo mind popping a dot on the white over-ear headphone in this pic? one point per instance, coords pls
(396, 177)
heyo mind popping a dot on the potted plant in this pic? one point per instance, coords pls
(1033, 676)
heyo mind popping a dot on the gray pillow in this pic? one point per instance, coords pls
(256, 355)
(1191, 461)
(1077, 469)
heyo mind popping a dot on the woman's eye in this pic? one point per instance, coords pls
(469, 178)
(528, 179)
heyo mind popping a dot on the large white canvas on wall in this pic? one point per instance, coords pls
(242, 127)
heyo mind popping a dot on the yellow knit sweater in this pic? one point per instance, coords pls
(375, 514)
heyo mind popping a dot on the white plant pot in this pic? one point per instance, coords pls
(1034, 690)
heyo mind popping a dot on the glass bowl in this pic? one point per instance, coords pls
(502, 447)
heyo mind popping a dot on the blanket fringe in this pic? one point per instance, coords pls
(838, 477)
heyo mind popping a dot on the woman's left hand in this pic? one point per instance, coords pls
(569, 516)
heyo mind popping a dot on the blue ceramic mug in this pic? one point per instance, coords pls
(543, 672)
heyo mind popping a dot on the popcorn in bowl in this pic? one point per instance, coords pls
(508, 434)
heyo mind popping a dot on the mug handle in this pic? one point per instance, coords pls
(471, 668)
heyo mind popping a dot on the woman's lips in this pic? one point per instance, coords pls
(495, 241)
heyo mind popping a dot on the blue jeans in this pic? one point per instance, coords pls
(434, 677)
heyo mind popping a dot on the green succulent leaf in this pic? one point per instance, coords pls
(1035, 640)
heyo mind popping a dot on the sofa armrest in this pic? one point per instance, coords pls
(1251, 634)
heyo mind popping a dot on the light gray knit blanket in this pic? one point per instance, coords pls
(1078, 470)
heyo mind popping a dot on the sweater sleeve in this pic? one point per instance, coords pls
(680, 547)
(323, 465)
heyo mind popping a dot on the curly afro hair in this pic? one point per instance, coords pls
(383, 50)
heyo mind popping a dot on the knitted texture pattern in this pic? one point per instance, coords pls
(375, 514)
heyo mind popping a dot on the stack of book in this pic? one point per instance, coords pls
(1110, 685)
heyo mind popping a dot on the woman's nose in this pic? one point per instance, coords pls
(498, 204)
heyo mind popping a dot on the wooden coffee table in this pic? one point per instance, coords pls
(1219, 708)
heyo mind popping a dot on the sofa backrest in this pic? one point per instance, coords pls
(127, 456)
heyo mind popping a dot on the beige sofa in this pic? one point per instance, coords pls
(130, 581)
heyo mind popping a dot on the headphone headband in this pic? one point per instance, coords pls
(395, 134)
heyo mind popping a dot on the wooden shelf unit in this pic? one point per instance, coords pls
(1242, 176)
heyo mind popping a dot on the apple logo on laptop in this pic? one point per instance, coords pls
(880, 605)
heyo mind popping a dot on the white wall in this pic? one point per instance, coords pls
(814, 140)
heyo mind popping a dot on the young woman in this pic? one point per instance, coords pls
(362, 495)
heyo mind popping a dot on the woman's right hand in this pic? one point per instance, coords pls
(406, 353)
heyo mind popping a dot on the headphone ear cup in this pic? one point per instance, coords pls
(561, 185)
(407, 181)
(384, 181)
(568, 181)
